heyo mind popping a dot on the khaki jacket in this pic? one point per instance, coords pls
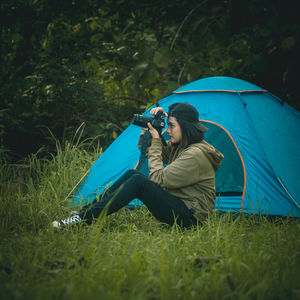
(189, 174)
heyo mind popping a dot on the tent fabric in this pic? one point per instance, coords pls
(258, 134)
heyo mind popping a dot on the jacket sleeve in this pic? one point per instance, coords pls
(165, 149)
(181, 172)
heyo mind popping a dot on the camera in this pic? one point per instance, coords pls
(158, 121)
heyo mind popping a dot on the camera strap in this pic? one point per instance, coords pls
(145, 141)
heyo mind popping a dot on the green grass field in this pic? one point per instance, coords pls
(130, 255)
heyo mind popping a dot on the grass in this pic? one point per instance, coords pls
(130, 255)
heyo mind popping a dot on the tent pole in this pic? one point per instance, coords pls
(288, 192)
(77, 184)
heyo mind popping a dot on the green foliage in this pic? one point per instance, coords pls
(130, 254)
(37, 188)
(64, 63)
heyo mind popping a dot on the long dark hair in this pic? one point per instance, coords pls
(190, 135)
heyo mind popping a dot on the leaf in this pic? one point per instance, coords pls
(139, 70)
(172, 85)
(288, 43)
(94, 25)
(162, 58)
(194, 69)
(114, 135)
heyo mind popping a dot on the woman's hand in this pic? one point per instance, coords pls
(155, 110)
(154, 133)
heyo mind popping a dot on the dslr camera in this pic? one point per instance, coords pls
(158, 121)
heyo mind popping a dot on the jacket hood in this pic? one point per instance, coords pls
(213, 155)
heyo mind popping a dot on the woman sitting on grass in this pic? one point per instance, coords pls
(183, 191)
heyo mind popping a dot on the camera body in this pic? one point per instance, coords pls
(158, 121)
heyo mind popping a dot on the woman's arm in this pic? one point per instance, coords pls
(184, 171)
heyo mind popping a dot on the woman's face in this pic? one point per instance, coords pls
(174, 130)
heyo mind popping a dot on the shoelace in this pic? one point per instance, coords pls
(73, 219)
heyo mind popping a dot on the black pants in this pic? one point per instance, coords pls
(163, 206)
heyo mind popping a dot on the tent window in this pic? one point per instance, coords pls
(230, 176)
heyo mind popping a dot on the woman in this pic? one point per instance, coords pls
(183, 191)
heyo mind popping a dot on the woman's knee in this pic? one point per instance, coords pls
(139, 178)
(130, 172)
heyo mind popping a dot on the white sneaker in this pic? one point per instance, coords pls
(75, 219)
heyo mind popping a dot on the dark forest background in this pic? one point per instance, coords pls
(66, 62)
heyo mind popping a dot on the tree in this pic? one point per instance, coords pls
(68, 62)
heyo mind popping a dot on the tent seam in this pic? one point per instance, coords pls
(228, 91)
(262, 148)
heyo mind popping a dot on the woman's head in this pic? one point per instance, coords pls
(183, 124)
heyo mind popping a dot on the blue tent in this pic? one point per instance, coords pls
(258, 134)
